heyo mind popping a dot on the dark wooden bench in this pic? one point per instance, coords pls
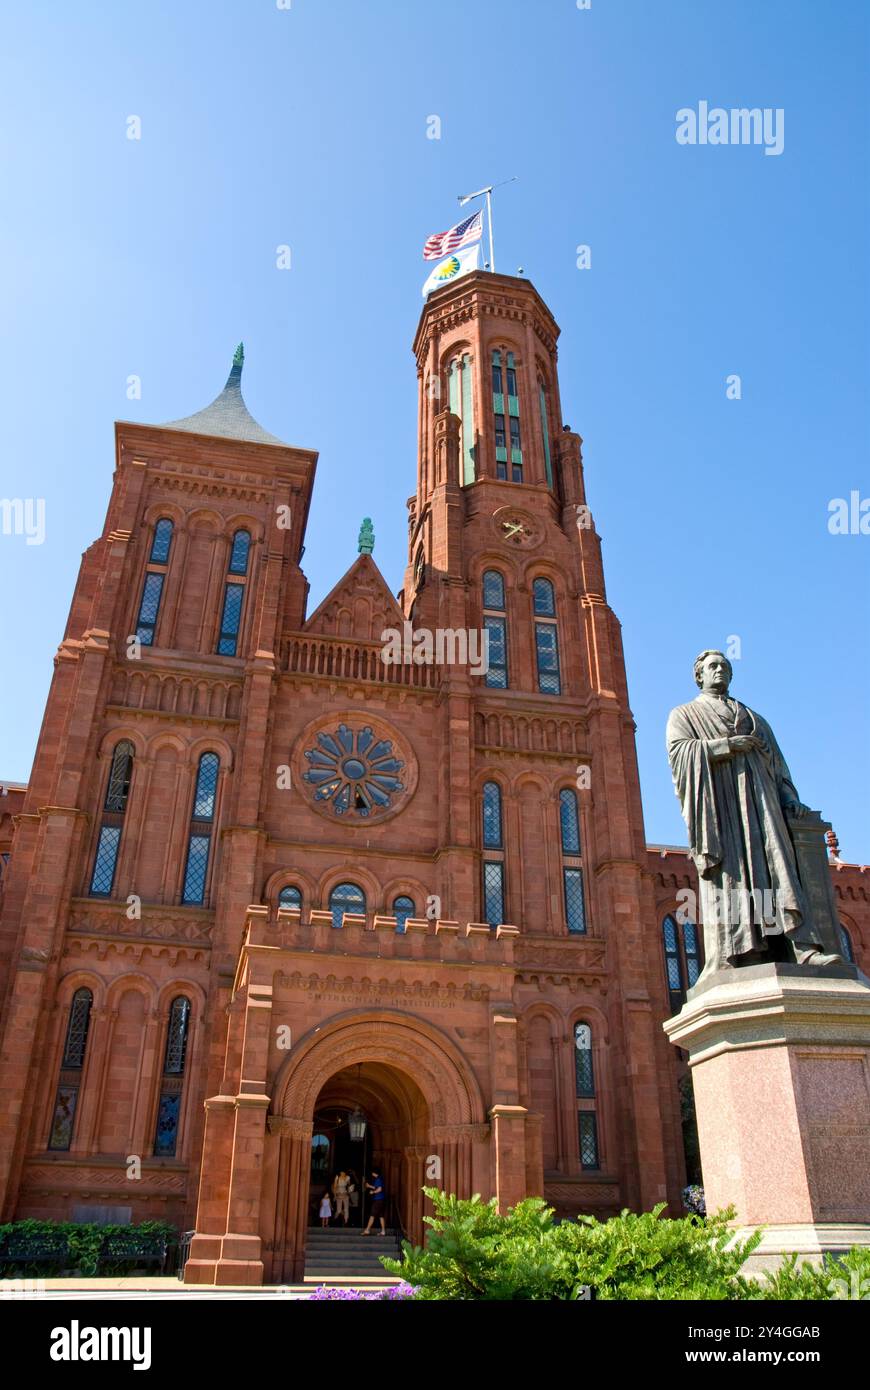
(140, 1251)
(29, 1250)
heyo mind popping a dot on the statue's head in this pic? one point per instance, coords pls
(713, 672)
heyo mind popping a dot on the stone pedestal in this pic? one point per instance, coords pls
(780, 1061)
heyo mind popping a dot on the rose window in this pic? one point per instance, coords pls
(354, 771)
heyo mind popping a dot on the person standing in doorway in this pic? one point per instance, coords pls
(341, 1193)
(353, 1195)
(325, 1210)
(377, 1188)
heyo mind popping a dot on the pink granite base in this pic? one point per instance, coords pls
(781, 1070)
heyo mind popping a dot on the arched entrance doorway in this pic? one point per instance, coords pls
(370, 1115)
(418, 1097)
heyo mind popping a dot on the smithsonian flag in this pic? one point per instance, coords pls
(451, 268)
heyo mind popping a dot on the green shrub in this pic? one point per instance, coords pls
(84, 1242)
(475, 1253)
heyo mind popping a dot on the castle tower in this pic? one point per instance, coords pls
(270, 877)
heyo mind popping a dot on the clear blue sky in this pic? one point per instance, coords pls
(307, 126)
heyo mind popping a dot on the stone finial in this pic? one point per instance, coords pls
(833, 845)
(366, 542)
(239, 356)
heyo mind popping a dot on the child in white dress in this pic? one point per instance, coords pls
(325, 1210)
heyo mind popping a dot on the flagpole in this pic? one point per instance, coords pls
(489, 215)
(467, 198)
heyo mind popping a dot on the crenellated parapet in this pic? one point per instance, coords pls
(439, 940)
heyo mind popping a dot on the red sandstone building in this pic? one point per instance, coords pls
(264, 881)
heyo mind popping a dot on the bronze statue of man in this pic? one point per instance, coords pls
(737, 796)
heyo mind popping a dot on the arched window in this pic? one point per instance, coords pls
(587, 1118)
(319, 1156)
(239, 553)
(461, 402)
(155, 578)
(174, 1058)
(546, 638)
(846, 948)
(201, 826)
(71, 1066)
(495, 624)
(161, 542)
(346, 897)
(403, 908)
(234, 595)
(290, 896)
(569, 821)
(492, 839)
(112, 821)
(506, 417)
(572, 863)
(492, 836)
(682, 959)
(545, 431)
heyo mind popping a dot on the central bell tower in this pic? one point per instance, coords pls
(501, 540)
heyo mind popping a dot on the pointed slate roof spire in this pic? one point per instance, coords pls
(227, 417)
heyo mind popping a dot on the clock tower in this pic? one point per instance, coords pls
(541, 747)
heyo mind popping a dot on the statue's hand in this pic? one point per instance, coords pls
(796, 809)
(745, 743)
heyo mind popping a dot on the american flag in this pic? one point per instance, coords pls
(463, 234)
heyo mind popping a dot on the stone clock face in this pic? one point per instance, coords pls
(517, 528)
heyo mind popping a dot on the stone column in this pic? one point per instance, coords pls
(780, 1060)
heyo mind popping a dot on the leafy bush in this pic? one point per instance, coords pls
(476, 1253)
(84, 1244)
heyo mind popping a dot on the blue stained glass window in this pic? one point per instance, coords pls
(846, 948)
(63, 1118)
(149, 608)
(197, 866)
(497, 674)
(354, 771)
(515, 432)
(673, 961)
(290, 896)
(584, 1078)
(118, 785)
(493, 892)
(569, 821)
(167, 1124)
(346, 897)
(206, 787)
(493, 591)
(588, 1135)
(511, 376)
(77, 1030)
(492, 816)
(176, 1037)
(230, 619)
(105, 860)
(500, 436)
(161, 542)
(575, 912)
(544, 599)
(239, 553)
(403, 908)
(547, 651)
(693, 955)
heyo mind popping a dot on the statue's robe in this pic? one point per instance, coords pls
(733, 808)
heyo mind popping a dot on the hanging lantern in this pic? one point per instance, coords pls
(356, 1122)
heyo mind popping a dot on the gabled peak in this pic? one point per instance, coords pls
(360, 606)
(227, 417)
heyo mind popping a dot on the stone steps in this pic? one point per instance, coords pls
(340, 1255)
